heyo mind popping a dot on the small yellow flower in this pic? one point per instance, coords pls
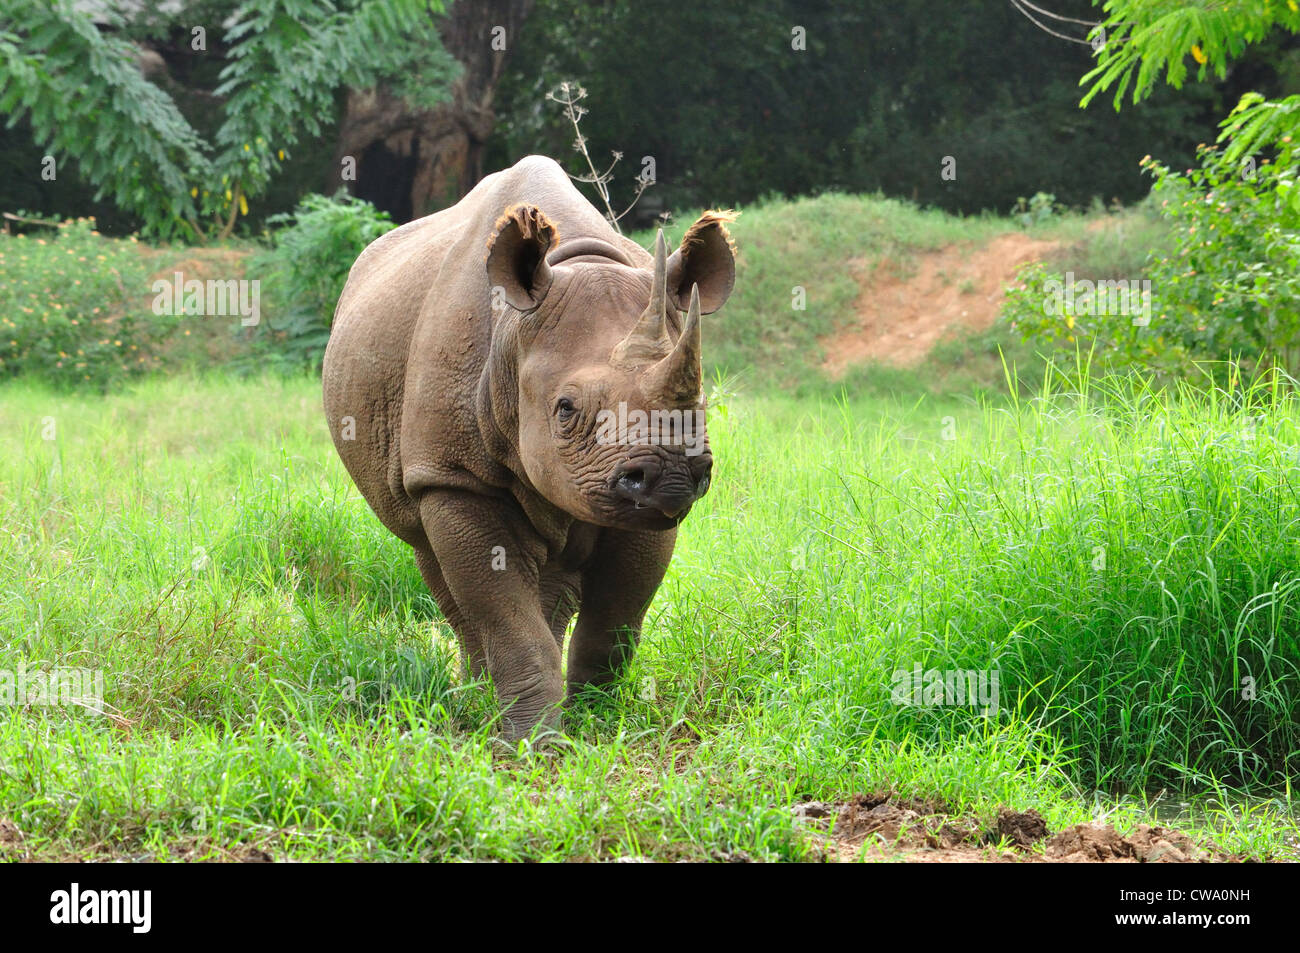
(1196, 55)
(243, 205)
(281, 155)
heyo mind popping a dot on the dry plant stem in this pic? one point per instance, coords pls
(569, 95)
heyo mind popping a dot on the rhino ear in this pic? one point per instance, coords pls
(516, 259)
(706, 258)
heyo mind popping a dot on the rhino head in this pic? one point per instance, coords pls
(596, 380)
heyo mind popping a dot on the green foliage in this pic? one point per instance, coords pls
(1231, 289)
(1227, 288)
(71, 307)
(308, 262)
(882, 93)
(1258, 125)
(1037, 209)
(1233, 285)
(1141, 38)
(285, 59)
(85, 97)
(1064, 314)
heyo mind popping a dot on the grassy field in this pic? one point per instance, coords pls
(276, 676)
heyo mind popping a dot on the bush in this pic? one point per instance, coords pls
(1226, 293)
(306, 267)
(1058, 312)
(71, 307)
(1233, 287)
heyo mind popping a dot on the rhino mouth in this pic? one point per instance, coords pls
(645, 516)
(672, 515)
(648, 492)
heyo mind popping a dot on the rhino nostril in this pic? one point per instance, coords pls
(634, 481)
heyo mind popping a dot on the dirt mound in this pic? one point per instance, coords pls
(1023, 830)
(11, 842)
(1101, 843)
(884, 826)
(902, 821)
(900, 316)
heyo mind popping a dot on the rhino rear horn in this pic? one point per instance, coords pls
(679, 377)
(516, 260)
(648, 340)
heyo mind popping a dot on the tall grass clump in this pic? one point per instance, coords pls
(1125, 563)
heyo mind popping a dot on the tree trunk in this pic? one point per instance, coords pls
(410, 163)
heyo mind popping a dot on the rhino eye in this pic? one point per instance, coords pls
(564, 408)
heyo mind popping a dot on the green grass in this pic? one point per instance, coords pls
(278, 676)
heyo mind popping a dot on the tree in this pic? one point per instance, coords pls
(1140, 39)
(1228, 297)
(420, 155)
(733, 102)
(84, 95)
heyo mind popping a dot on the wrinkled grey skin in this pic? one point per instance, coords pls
(470, 355)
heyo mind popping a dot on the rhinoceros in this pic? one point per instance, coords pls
(483, 367)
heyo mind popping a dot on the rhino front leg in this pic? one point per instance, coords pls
(617, 585)
(489, 562)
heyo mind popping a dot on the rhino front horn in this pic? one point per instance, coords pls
(679, 377)
(648, 340)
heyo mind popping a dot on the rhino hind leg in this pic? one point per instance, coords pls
(471, 648)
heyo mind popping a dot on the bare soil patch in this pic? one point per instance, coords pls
(886, 827)
(900, 314)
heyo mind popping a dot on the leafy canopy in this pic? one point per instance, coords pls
(1140, 39)
(284, 59)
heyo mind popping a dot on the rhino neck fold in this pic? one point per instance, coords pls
(497, 409)
(587, 248)
(499, 428)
